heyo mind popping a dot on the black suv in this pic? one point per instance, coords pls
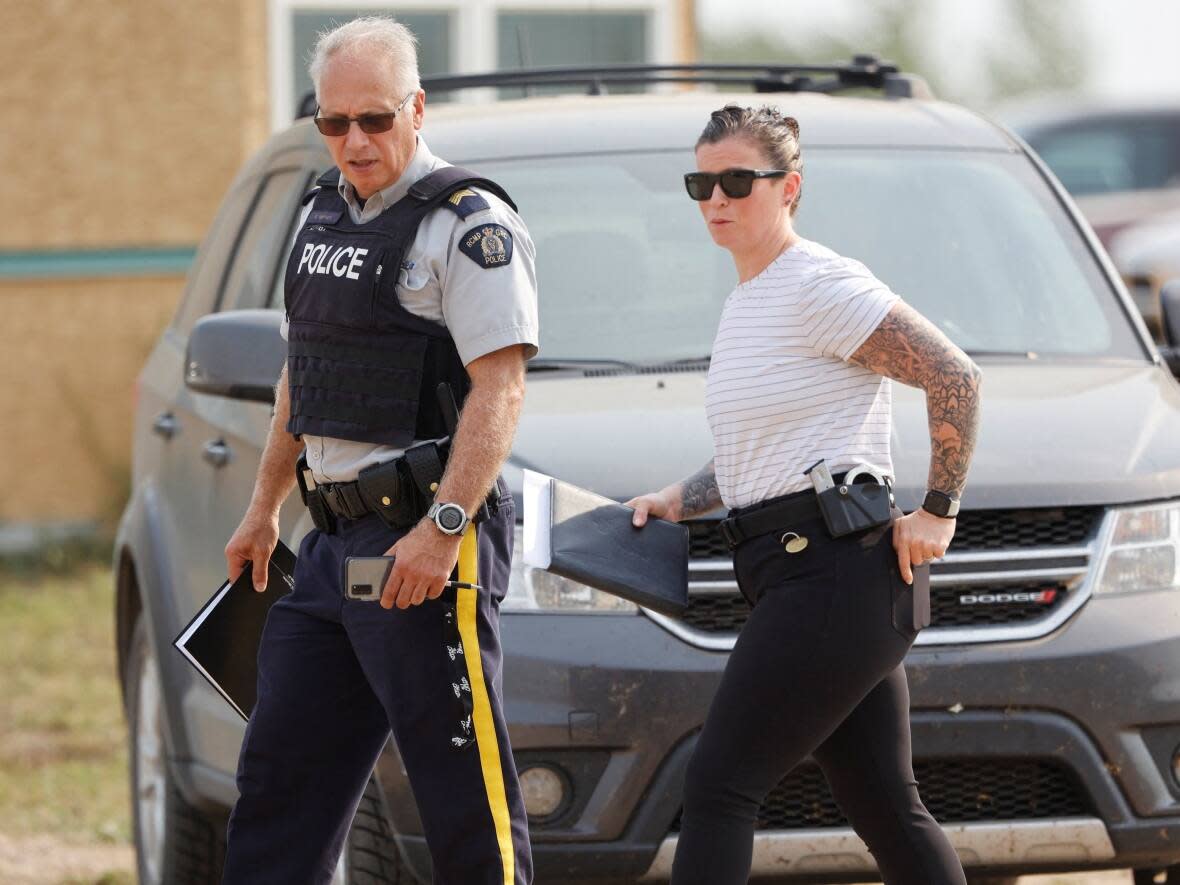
(1046, 694)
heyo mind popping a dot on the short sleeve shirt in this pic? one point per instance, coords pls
(781, 394)
(442, 278)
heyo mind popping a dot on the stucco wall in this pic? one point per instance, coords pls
(70, 351)
(125, 119)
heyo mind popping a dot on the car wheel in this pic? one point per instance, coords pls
(174, 842)
(1148, 877)
(370, 856)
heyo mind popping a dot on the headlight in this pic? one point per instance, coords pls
(536, 590)
(1144, 552)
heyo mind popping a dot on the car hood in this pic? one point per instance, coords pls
(1052, 434)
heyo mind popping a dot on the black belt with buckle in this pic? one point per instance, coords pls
(768, 516)
(774, 514)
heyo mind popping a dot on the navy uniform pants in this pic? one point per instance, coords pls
(817, 669)
(335, 676)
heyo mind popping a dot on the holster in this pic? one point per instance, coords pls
(853, 508)
(321, 517)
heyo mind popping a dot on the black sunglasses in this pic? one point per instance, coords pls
(371, 124)
(735, 183)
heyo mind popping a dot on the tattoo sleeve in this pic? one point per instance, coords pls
(699, 493)
(911, 349)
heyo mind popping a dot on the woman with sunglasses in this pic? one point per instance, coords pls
(800, 370)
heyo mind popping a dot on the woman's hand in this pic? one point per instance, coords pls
(918, 538)
(661, 504)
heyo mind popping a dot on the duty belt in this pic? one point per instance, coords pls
(399, 491)
(772, 515)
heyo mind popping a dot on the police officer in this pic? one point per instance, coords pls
(800, 370)
(405, 273)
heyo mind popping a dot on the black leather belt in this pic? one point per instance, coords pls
(773, 514)
(769, 516)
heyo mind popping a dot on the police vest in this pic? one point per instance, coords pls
(360, 366)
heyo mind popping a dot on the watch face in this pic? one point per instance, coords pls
(450, 518)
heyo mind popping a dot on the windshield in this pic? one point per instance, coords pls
(975, 241)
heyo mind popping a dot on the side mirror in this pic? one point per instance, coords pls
(1170, 320)
(237, 354)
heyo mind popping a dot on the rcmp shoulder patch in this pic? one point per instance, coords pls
(488, 245)
(465, 201)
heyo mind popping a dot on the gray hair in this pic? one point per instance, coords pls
(775, 134)
(377, 34)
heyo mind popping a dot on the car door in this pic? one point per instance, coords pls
(231, 433)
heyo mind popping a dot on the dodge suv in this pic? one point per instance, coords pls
(1046, 692)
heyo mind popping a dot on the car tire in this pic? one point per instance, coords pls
(1147, 877)
(371, 856)
(992, 880)
(174, 841)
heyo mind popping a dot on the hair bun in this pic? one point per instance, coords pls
(793, 125)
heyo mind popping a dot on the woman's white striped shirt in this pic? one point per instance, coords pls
(780, 393)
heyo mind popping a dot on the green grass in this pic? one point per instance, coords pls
(63, 744)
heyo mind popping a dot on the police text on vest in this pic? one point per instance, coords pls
(343, 261)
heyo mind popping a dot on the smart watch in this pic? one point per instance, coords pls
(451, 519)
(941, 504)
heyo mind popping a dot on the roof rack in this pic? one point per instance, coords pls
(864, 72)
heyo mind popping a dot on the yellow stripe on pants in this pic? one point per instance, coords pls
(485, 726)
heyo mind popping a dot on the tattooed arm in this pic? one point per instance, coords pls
(911, 349)
(690, 497)
(908, 347)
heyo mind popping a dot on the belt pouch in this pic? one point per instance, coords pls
(854, 508)
(385, 490)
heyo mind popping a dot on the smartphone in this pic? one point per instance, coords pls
(365, 576)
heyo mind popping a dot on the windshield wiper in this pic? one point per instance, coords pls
(1023, 354)
(553, 365)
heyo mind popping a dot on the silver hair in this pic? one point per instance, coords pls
(376, 34)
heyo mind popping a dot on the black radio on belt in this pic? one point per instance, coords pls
(851, 506)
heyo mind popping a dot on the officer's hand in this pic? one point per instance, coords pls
(423, 561)
(918, 538)
(658, 504)
(254, 541)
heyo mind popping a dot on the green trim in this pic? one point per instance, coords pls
(47, 263)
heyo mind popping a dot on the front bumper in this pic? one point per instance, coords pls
(616, 701)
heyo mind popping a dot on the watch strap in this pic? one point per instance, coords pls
(941, 504)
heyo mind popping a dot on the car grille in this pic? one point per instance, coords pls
(953, 790)
(983, 593)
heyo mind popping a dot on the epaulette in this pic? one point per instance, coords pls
(465, 201)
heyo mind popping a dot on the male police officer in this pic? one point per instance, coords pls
(405, 273)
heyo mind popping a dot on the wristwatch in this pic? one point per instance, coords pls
(451, 519)
(941, 504)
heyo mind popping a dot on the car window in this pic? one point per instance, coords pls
(976, 241)
(256, 260)
(276, 289)
(208, 269)
(1116, 155)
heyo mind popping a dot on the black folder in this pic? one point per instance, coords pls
(221, 641)
(592, 540)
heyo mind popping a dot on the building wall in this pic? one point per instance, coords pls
(127, 119)
(70, 351)
(136, 114)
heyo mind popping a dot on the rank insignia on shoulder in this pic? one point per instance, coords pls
(489, 245)
(465, 202)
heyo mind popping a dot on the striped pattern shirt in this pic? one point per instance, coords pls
(780, 393)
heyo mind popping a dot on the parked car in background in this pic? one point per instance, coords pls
(1045, 697)
(1121, 162)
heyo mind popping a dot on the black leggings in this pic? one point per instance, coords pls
(816, 670)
